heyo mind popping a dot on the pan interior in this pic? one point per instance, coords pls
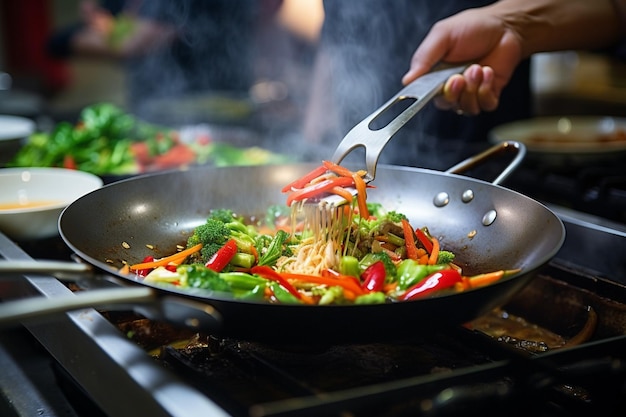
(151, 214)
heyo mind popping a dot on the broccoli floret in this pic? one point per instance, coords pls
(395, 217)
(381, 221)
(445, 257)
(379, 212)
(223, 215)
(221, 226)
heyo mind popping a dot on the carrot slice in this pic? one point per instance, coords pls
(484, 279)
(337, 169)
(343, 193)
(346, 284)
(409, 239)
(434, 254)
(179, 256)
(361, 197)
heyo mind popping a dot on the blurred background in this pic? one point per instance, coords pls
(50, 88)
(285, 34)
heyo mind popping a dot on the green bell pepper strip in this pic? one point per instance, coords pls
(410, 272)
(349, 265)
(242, 280)
(371, 298)
(282, 294)
(255, 294)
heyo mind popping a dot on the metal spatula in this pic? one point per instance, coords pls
(373, 139)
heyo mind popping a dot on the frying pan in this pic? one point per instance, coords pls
(489, 227)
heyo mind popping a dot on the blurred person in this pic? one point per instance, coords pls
(168, 48)
(366, 47)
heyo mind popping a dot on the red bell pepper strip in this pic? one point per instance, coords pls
(268, 273)
(305, 179)
(436, 281)
(319, 188)
(223, 256)
(374, 277)
(348, 282)
(145, 271)
(425, 240)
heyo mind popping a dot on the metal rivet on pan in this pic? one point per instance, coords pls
(468, 195)
(441, 199)
(489, 217)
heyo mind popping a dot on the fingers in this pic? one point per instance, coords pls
(469, 93)
(488, 98)
(468, 102)
(452, 90)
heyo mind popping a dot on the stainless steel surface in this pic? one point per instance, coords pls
(86, 337)
(507, 146)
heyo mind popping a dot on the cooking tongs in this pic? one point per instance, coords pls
(372, 139)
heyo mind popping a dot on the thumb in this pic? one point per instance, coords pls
(432, 50)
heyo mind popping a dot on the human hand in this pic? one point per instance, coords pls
(474, 35)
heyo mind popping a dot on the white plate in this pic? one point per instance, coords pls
(566, 134)
(14, 127)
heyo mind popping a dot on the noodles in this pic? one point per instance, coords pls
(324, 227)
(311, 257)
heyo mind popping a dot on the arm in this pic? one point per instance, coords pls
(499, 36)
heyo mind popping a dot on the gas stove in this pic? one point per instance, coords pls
(557, 348)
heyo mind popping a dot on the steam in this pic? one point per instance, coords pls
(211, 54)
(318, 92)
(366, 48)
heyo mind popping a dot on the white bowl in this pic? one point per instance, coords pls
(32, 199)
(14, 131)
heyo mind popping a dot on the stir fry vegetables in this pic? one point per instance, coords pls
(309, 255)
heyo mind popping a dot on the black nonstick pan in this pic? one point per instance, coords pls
(488, 226)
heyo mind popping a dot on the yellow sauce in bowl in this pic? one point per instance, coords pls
(28, 204)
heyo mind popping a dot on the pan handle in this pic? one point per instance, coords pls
(145, 300)
(70, 271)
(502, 147)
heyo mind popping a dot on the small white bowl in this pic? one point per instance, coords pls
(32, 199)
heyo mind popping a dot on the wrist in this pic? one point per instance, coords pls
(554, 25)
